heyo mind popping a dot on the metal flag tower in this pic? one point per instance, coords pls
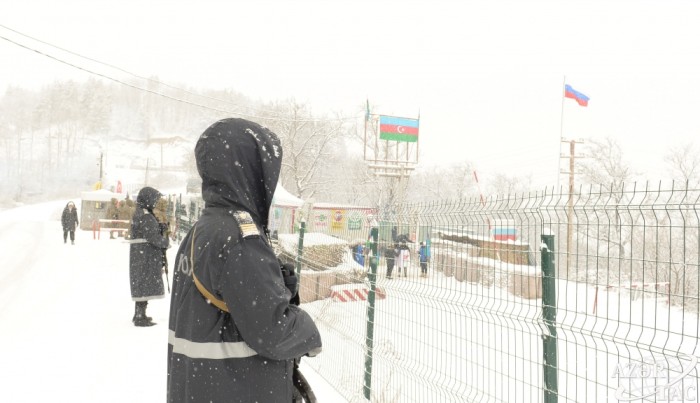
(391, 149)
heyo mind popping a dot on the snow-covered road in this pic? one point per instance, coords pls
(65, 313)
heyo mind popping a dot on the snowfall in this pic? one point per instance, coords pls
(67, 334)
(66, 316)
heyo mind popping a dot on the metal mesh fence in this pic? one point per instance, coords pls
(618, 322)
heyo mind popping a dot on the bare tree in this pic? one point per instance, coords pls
(605, 168)
(679, 244)
(451, 181)
(309, 145)
(604, 165)
(684, 164)
(508, 185)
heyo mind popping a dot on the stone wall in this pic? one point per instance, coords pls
(459, 258)
(504, 251)
(524, 285)
(455, 263)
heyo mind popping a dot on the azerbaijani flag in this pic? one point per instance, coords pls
(398, 129)
(569, 92)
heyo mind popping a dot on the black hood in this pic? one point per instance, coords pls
(239, 162)
(147, 198)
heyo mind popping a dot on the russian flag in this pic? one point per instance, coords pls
(569, 92)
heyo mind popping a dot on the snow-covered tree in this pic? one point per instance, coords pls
(311, 146)
(683, 163)
(605, 168)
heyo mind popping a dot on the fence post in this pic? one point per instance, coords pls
(549, 314)
(192, 212)
(369, 340)
(300, 250)
(178, 217)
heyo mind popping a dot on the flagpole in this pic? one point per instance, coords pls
(561, 132)
(418, 139)
(366, 120)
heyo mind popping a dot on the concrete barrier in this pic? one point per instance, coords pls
(354, 292)
(316, 285)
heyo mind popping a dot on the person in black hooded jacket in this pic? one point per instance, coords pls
(146, 255)
(69, 221)
(235, 329)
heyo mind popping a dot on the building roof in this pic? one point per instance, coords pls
(284, 198)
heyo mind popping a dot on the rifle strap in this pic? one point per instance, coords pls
(202, 290)
(302, 386)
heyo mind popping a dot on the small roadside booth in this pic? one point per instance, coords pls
(347, 222)
(94, 207)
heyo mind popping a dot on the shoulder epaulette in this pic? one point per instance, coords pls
(246, 224)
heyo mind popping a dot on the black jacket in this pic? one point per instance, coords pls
(146, 250)
(69, 218)
(390, 253)
(245, 355)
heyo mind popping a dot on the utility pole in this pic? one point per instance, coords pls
(101, 168)
(570, 205)
(145, 179)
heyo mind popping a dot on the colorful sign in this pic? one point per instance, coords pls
(355, 220)
(504, 230)
(338, 219)
(321, 220)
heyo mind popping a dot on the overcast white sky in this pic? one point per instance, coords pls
(486, 77)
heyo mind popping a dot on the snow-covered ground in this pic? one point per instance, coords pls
(67, 335)
(65, 313)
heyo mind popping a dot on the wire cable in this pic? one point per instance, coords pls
(122, 70)
(273, 116)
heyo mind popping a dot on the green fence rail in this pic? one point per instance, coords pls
(527, 298)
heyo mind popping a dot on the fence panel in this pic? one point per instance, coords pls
(626, 291)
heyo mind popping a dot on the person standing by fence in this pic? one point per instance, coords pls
(236, 330)
(423, 259)
(358, 254)
(404, 259)
(390, 254)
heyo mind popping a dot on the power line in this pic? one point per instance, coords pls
(119, 68)
(273, 115)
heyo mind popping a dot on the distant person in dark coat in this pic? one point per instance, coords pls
(69, 221)
(390, 254)
(146, 257)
